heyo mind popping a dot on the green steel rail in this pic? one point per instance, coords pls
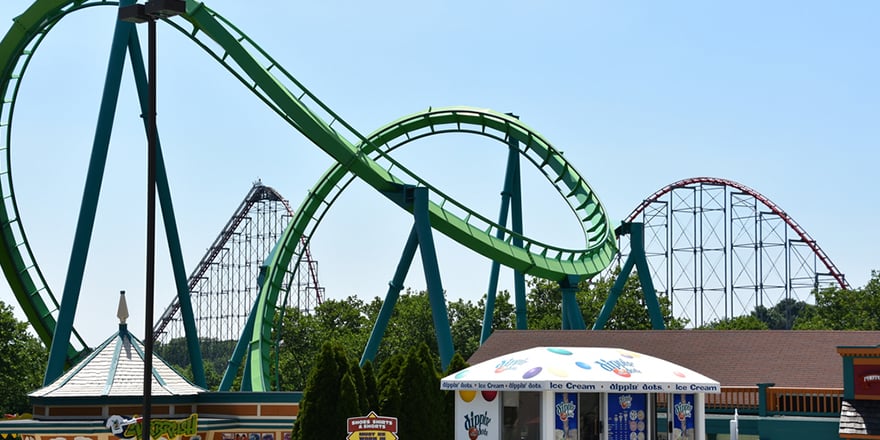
(355, 154)
(304, 111)
(532, 146)
(16, 256)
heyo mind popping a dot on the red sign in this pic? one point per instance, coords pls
(372, 427)
(866, 380)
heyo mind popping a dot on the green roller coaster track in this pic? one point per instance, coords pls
(366, 158)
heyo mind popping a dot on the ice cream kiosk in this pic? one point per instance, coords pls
(579, 393)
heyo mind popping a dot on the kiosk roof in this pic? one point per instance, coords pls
(587, 369)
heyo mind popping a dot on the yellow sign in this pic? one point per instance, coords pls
(372, 427)
(170, 429)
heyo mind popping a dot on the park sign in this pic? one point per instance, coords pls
(372, 427)
(159, 428)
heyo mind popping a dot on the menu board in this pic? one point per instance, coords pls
(566, 416)
(627, 416)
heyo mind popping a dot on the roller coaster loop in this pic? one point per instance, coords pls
(356, 155)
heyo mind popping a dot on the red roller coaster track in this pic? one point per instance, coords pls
(832, 269)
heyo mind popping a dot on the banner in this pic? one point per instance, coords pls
(566, 416)
(683, 416)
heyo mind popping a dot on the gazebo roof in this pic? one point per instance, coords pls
(116, 369)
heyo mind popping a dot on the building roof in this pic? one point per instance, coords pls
(860, 417)
(787, 358)
(116, 369)
(579, 368)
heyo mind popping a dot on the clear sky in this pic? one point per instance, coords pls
(780, 96)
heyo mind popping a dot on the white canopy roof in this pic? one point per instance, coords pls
(580, 369)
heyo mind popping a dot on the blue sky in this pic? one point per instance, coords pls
(780, 96)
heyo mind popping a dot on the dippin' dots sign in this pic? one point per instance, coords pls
(476, 424)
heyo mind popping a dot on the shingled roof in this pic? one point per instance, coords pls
(860, 417)
(787, 358)
(116, 369)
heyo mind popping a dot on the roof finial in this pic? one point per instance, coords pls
(122, 311)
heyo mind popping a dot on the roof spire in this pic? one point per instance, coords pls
(122, 311)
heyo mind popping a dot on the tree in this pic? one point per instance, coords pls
(371, 388)
(301, 335)
(466, 323)
(389, 387)
(845, 309)
(300, 343)
(345, 322)
(421, 414)
(746, 322)
(411, 325)
(543, 304)
(783, 315)
(504, 317)
(215, 356)
(630, 311)
(22, 362)
(360, 387)
(330, 396)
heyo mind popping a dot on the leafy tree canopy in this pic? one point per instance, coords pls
(746, 322)
(850, 309)
(22, 363)
(629, 313)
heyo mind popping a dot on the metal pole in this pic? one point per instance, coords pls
(151, 229)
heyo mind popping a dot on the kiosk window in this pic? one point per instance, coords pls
(522, 416)
(590, 417)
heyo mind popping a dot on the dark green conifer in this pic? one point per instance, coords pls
(321, 414)
(357, 375)
(371, 387)
(422, 407)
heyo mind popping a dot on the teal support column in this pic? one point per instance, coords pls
(762, 398)
(244, 342)
(510, 191)
(637, 241)
(86, 220)
(519, 280)
(241, 347)
(613, 295)
(572, 318)
(489, 311)
(849, 381)
(638, 260)
(391, 296)
(170, 222)
(432, 276)
(246, 379)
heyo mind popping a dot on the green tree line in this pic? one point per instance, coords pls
(349, 321)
